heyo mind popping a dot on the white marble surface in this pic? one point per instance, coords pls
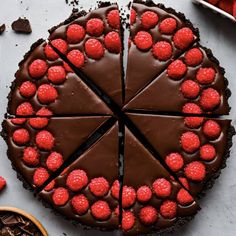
(218, 214)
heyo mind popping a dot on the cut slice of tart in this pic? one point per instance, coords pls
(37, 147)
(87, 191)
(151, 198)
(194, 148)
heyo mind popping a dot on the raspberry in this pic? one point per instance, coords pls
(213, 2)
(226, 5)
(128, 220)
(54, 161)
(99, 186)
(60, 45)
(176, 70)
(75, 33)
(27, 89)
(133, 15)
(56, 74)
(76, 57)
(193, 57)
(60, 196)
(38, 68)
(148, 215)
(206, 75)
(183, 38)
(80, 204)
(101, 210)
(128, 196)
(191, 108)
(207, 152)
(45, 140)
(113, 19)
(174, 161)
(143, 40)
(2, 183)
(76, 180)
(168, 209)
(162, 187)
(209, 99)
(195, 171)
(211, 129)
(18, 121)
(162, 50)
(184, 182)
(144, 194)
(21, 136)
(24, 109)
(44, 112)
(40, 176)
(47, 93)
(112, 42)
(50, 53)
(50, 186)
(31, 156)
(168, 25)
(193, 122)
(38, 123)
(183, 197)
(149, 19)
(190, 142)
(190, 89)
(67, 67)
(94, 49)
(115, 189)
(95, 27)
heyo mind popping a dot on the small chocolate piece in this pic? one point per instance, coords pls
(2, 28)
(9, 219)
(22, 25)
(6, 231)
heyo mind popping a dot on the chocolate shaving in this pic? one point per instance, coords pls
(2, 28)
(22, 25)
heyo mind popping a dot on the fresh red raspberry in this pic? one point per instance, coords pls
(2, 183)
(195, 171)
(133, 15)
(57, 74)
(207, 152)
(38, 68)
(25, 109)
(143, 40)
(162, 187)
(115, 189)
(67, 67)
(76, 180)
(184, 182)
(213, 2)
(112, 42)
(174, 161)
(31, 156)
(101, 210)
(148, 215)
(95, 27)
(149, 19)
(144, 194)
(206, 75)
(209, 99)
(27, 89)
(226, 5)
(21, 136)
(47, 93)
(190, 89)
(176, 70)
(94, 49)
(191, 108)
(80, 204)
(54, 161)
(50, 186)
(128, 220)
(44, 112)
(193, 57)
(50, 53)
(190, 142)
(45, 140)
(39, 122)
(168, 209)
(183, 197)
(168, 25)
(128, 196)
(113, 19)
(60, 196)
(211, 129)
(99, 186)
(76, 57)
(75, 33)
(162, 50)
(183, 38)
(40, 176)
(193, 122)
(18, 121)
(60, 45)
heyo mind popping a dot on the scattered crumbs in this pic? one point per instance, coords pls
(72, 2)
(2, 28)
(16, 45)
(64, 234)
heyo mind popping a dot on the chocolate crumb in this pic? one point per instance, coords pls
(22, 25)
(2, 28)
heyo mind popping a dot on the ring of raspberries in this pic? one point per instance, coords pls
(110, 152)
